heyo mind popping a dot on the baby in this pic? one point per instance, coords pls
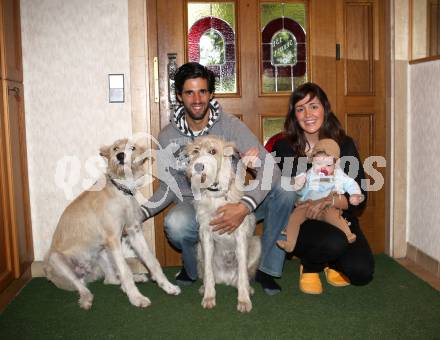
(323, 179)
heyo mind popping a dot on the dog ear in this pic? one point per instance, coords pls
(145, 154)
(189, 150)
(229, 149)
(104, 151)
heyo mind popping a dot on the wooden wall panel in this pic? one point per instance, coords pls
(360, 126)
(359, 49)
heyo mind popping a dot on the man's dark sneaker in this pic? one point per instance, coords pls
(182, 278)
(267, 282)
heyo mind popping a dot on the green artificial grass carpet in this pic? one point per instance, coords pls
(395, 305)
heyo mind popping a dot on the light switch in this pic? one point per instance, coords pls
(116, 88)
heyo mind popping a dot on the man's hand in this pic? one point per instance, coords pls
(250, 157)
(229, 217)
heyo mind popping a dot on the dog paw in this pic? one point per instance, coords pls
(140, 301)
(251, 290)
(202, 290)
(171, 289)
(208, 302)
(85, 300)
(244, 306)
(140, 277)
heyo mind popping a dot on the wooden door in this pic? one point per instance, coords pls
(262, 110)
(361, 96)
(12, 39)
(6, 270)
(16, 161)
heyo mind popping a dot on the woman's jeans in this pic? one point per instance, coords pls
(182, 230)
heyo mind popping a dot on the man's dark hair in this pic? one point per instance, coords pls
(192, 71)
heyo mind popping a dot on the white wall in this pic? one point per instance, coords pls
(69, 48)
(424, 160)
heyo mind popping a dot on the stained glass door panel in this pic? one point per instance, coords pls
(212, 42)
(283, 54)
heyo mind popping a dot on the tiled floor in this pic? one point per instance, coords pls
(430, 278)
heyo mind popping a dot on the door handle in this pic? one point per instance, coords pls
(14, 90)
(338, 52)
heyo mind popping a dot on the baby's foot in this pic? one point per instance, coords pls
(351, 238)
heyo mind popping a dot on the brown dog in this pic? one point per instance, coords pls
(86, 244)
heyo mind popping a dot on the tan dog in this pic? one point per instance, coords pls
(86, 244)
(231, 259)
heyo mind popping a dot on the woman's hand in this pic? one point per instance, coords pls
(315, 208)
(339, 201)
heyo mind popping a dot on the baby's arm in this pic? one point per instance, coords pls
(350, 186)
(300, 180)
(353, 189)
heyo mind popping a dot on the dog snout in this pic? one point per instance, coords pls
(120, 157)
(199, 167)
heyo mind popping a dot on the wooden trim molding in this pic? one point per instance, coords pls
(423, 260)
(424, 60)
(139, 86)
(410, 39)
(14, 288)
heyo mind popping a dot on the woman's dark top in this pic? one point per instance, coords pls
(283, 149)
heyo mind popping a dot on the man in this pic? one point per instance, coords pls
(198, 115)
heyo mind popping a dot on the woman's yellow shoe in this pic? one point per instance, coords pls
(336, 278)
(309, 283)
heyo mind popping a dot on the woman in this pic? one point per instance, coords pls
(321, 246)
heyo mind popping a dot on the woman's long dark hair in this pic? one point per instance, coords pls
(331, 127)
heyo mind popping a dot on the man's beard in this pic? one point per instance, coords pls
(194, 117)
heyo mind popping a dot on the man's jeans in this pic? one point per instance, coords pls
(182, 230)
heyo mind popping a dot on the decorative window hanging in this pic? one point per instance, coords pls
(283, 47)
(211, 41)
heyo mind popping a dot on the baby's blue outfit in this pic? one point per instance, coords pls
(319, 186)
